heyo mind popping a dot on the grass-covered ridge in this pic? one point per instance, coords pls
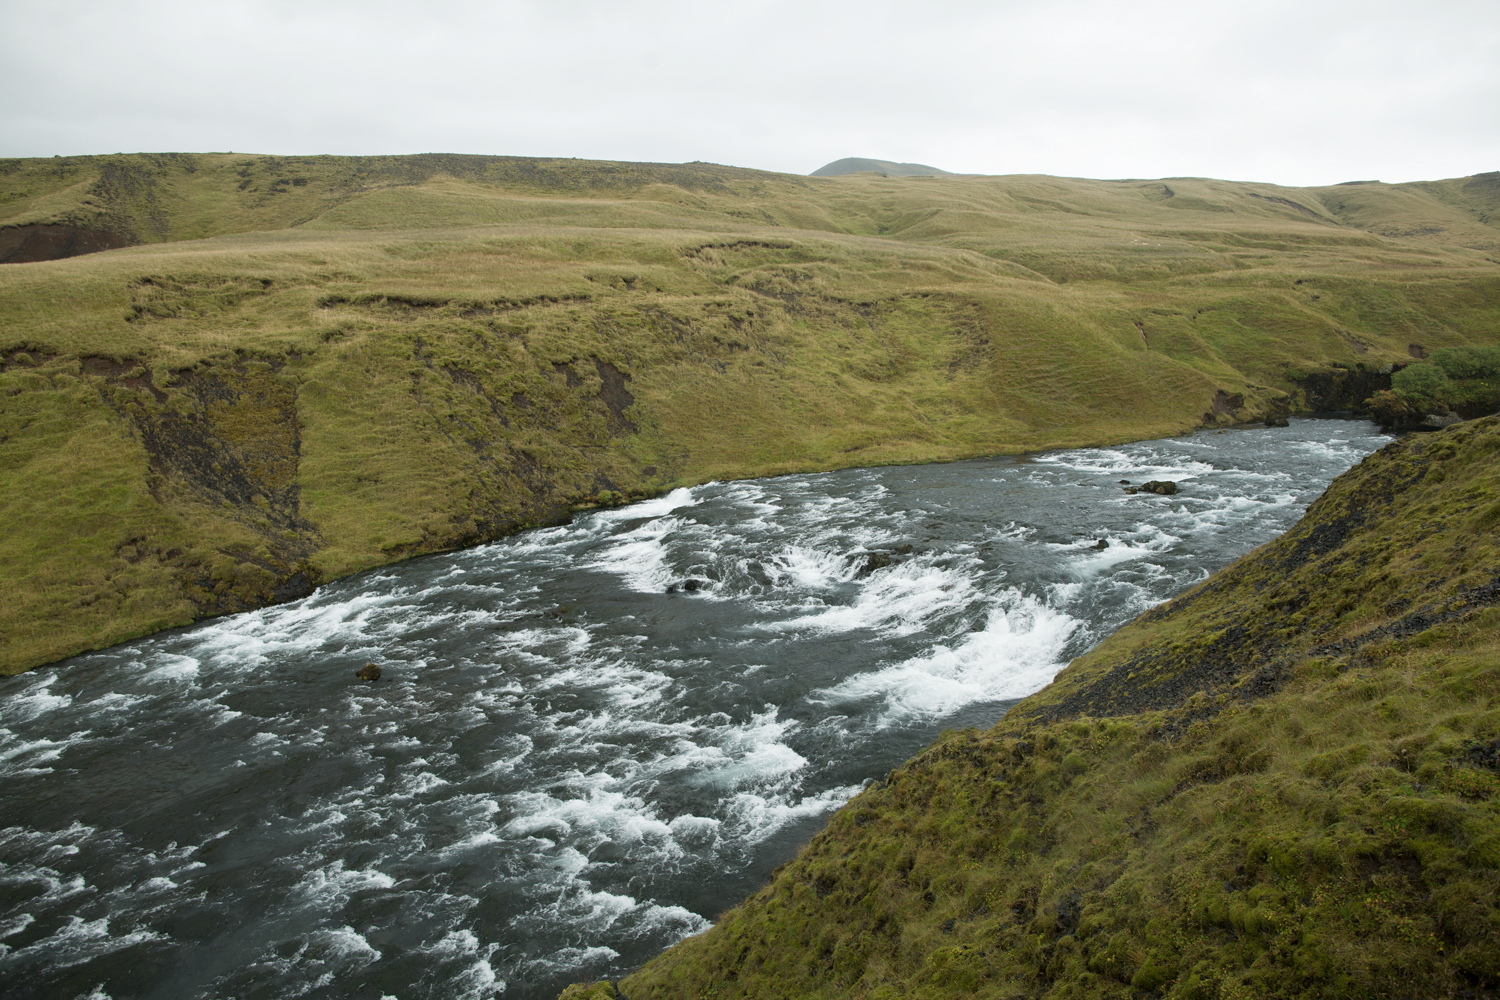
(1281, 784)
(305, 367)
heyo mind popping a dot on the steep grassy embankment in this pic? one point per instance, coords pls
(1280, 784)
(305, 367)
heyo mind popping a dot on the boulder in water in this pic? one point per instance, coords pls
(1102, 543)
(1159, 486)
(368, 672)
(877, 560)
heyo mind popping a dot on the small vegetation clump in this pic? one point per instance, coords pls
(1280, 784)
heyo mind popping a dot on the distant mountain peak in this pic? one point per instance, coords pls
(855, 164)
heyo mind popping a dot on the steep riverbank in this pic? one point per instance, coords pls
(306, 367)
(587, 741)
(1281, 783)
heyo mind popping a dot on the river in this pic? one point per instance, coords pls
(587, 740)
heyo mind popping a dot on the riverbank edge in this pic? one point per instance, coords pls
(1279, 783)
(561, 513)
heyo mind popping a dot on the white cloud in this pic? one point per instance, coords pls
(1298, 93)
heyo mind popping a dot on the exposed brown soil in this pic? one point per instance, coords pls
(1225, 403)
(616, 397)
(25, 357)
(28, 244)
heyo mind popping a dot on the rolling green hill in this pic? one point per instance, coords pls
(294, 368)
(1282, 783)
(856, 164)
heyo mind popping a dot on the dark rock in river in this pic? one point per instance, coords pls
(1161, 487)
(690, 585)
(368, 672)
(877, 560)
(608, 852)
(1102, 543)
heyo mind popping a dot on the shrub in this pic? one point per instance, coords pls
(1462, 378)
(1422, 383)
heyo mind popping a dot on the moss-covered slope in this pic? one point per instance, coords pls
(305, 367)
(1280, 784)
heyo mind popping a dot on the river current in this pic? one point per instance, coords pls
(588, 740)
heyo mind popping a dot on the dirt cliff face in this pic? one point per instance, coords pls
(226, 438)
(26, 244)
(1280, 784)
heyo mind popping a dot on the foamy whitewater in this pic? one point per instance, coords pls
(573, 760)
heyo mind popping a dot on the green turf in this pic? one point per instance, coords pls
(311, 366)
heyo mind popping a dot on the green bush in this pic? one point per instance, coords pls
(1461, 377)
(1426, 383)
(1468, 362)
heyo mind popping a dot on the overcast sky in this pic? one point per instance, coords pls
(1295, 92)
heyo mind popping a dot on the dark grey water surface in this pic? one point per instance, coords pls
(567, 768)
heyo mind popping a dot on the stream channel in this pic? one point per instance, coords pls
(573, 760)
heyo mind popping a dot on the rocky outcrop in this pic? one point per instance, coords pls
(1340, 387)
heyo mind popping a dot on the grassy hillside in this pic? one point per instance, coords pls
(887, 168)
(304, 367)
(1282, 783)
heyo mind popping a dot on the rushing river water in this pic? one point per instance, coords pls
(573, 759)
